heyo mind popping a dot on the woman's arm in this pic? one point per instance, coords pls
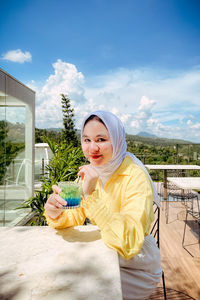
(68, 218)
(57, 217)
(124, 230)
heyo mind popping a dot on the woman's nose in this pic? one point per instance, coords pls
(94, 146)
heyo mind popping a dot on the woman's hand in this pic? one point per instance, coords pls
(54, 204)
(90, 179)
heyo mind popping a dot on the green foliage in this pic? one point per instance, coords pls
(69, 131)
(8, 149)
(68, 156)
(3, 134)
(37, 202)
(66, 161)
(64, 166)
(42, 134)
(3, 130)
(158, 153)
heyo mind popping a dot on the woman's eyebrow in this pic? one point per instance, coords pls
(98, 135)
(103, 135)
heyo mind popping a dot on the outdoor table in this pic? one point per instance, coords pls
(185, 183)
(191, 183)
(47, 264)
(167, 168)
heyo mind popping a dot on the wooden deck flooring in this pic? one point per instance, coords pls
(182, 271)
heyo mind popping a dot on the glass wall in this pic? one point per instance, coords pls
(43, 155)
(17, 103)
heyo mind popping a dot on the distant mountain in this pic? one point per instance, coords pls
(156, 140)
(143, 133)
(16, 133)
(141, 137)
(54, 129)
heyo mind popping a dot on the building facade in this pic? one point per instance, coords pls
(17, 135)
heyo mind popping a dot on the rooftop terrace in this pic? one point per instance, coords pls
(182, 271)
(182, 276)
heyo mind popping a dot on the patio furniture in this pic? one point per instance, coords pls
(186, 182)
(171, 168)
(178, 196)
(194, 211)
(191, 201)
(179, 170)
(174, 197)
(186, 197)
(155, 232)
(184, 187)
(166, 170)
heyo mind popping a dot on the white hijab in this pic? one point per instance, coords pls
(117, 136)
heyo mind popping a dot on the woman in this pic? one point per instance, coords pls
(118, 196)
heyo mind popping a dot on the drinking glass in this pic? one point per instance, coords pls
(71, 192)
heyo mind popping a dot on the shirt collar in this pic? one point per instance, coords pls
(124, 168)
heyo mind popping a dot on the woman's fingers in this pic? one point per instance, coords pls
(54, 204)
(49, 206)
(56, 189)
(55, 199)
(81, 172)
(87, 170)
(53, 211)
(90, 179)
(60, 200)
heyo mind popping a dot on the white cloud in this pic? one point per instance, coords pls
(176, 96)
(17, 56)
(146, 104)
(192, 117)
(13, 114)
(145, 100)
(193, 126)
(65, 80)
(143, 120)
(135, 124)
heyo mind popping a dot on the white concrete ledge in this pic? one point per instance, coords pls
(41, 263)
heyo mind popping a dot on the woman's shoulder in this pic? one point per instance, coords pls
(135, 171)
(129, 166)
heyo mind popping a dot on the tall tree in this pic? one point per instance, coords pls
(3, 135)
(69, 132)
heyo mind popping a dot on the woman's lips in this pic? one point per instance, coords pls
(95, 156)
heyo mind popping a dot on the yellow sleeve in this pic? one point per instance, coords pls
(68, 218)
(125, 230)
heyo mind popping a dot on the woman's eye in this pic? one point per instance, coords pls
(86, 140)
(101, 140)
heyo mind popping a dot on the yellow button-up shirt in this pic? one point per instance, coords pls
(123, 210)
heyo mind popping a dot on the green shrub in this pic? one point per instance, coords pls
(66, 161)
(37, 203)
(64, 166)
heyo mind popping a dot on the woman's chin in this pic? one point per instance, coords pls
(96, 162)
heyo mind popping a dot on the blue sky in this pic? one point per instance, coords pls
(138, 59)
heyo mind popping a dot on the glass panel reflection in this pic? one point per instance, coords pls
(16, 144)
(3, 134)
(14, 177)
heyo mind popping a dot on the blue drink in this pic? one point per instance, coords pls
(71, 192)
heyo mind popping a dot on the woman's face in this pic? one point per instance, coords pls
(96, 143)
